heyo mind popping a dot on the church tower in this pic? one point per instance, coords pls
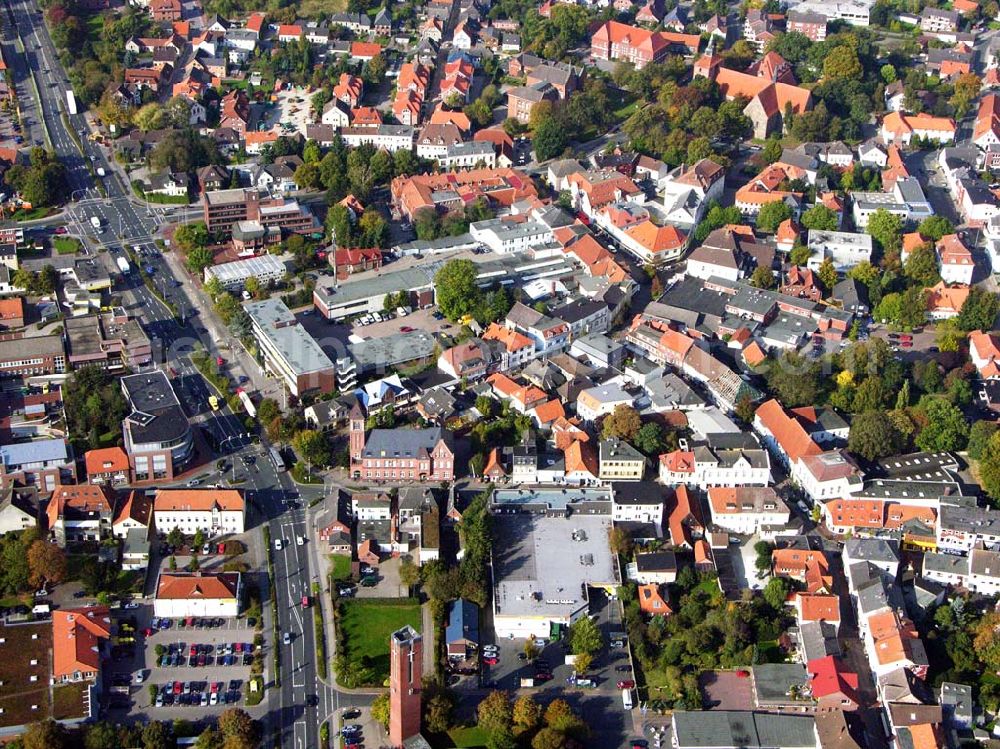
(357, 431)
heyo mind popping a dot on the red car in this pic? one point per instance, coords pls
(61, 230)
(743, 674)
(543, 676)
(147, 632)
(906, 344)
(490, 661)
(626, 684)
(178, 687)
(406, 329)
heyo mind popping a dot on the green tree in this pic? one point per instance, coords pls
(45, 734)
(456, 289)
(799, 255)
(527, 713)
(198, 259)
(946, 427)
(649, 439)
(776, 591)
(873, 435)
(980, 310)
(495, 713)
(772, 150)
(157, 735)
(549, 139)
(935, 227)
(820, 218)
(762, 278)
(772, 214)
(46, 563)
(312, 446)
(486, 406)
(827, 275)
(795, 380)
(980, 434)
(921, 265)
(241, 731)
(887, 230)
(624, 422)
(585, 636)
(842, 63)
(438, 713)
(380, 709)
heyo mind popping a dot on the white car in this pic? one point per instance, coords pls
(278, 544)
(140, 677)
(300, 540)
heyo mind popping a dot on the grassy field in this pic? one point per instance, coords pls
(468, 736)
(312, 8)
(66, 245)
(341, 566)
(367, 627)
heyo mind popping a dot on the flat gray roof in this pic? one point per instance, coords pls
(240, 270)
(542, 565)
(391, 350)
(276, 322)
(385, 283)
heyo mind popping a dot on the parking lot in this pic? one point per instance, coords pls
(187, 664)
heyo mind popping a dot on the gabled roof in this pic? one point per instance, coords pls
(79, 499)
(106, 460)
(789, 434)
(829, 676)
(197, 586)
(198, 500)
(76, 639)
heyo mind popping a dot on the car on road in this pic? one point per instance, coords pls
(490, 660)
(286, 638)
(278, 544)
(300, 540)
(61, 230)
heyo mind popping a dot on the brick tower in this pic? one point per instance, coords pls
(406, 650)
(357, 418)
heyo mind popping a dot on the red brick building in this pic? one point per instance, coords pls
(406, 650)
(400, 454)
(619, 41)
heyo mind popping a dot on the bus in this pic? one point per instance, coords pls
(627, 698)
(279, 462)
(213, 401)
(248, 404)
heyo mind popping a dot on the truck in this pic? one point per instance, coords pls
(248, 404)
(70, 102)
(123, 265)
(95, 221)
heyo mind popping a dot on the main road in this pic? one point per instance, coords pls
(302, 701)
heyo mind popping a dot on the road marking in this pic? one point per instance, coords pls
(299, 727)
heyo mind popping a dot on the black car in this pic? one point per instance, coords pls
(623, 669)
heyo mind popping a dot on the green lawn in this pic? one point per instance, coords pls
(66, 245)
(341, 566)
(468, 736)
(367, 627)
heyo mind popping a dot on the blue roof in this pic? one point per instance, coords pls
(463, 622)
(33, 452)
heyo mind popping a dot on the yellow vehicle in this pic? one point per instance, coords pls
(213, 401)
(465, 319)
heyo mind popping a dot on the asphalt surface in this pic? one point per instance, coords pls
(302, 702)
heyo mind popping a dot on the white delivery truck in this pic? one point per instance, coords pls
(123, 265)
(95, 221)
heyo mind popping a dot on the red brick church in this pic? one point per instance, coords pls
(400, 454)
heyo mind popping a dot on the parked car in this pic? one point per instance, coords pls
(626, 684)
